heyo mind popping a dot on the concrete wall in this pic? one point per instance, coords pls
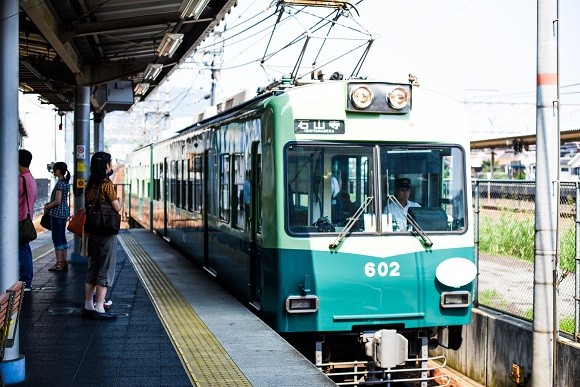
(493, 342)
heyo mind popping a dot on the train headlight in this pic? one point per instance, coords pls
(302, 304)
(398, 98)
(460, 299)
(361, 97)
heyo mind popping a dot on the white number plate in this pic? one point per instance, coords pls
(383, 269)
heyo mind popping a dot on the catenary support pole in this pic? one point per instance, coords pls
(81, 157)
(547, 196)
(99, 132)
(13, 364)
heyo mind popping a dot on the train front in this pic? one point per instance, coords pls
(377, 245)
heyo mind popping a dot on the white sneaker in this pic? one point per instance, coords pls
(106, 304)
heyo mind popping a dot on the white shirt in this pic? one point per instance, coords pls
(334, 189)
(400, 215)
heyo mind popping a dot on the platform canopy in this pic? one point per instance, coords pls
(525, 140)
(108, 45)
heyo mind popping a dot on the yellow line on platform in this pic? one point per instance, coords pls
(203, 357)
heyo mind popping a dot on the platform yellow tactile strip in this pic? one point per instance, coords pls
(203, 357)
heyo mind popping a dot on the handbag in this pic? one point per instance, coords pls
(101, 218)
(77, 222)
(46, 220)
(26, 230)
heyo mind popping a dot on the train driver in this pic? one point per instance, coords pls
(399, 213)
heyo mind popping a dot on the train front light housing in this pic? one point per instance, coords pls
(398, 98)
(361, 97)
(461, 299)
(302, 304)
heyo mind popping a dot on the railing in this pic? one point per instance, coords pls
(505, 230)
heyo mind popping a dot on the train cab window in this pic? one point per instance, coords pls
(430, 177)
(326, 186)
(224, 188)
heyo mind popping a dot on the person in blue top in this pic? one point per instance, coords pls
(59, 214)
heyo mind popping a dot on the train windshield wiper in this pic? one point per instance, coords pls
(351, 221)
(417, 230)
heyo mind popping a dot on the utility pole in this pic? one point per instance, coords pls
(215, 64)
(545, 324)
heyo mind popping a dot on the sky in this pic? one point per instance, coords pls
(471, 50)
(482, 53)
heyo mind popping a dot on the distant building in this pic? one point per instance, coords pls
(523, 164)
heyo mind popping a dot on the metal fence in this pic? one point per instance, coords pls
(505, 227)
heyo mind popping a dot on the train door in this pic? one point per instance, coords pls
(255, 225)
(210, 209)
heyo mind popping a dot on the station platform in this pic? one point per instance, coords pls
(175, 327)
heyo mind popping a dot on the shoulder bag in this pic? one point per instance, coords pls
(26, 230)
(101, 218)
(45, 221)
(77, 222)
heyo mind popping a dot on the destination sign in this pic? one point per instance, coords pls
(318, 126)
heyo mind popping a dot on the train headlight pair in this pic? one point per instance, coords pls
(379, 98)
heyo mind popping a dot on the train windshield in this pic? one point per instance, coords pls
(375, 189)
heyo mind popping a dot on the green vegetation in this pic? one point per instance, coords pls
(512, 234)
(492, 299)
(567, 324)
(507, 235)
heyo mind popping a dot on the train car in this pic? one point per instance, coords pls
(247, 194)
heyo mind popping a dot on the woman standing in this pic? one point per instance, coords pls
(59, 213)
(102, 249)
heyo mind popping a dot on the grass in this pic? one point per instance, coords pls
(492, 298)
(512, 235)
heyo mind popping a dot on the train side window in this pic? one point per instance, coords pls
(224, 188)
(190, 175)
(184, 182)
(159, 179)
(197, 183)
(172, 182)
(239, 180)
(178, 176)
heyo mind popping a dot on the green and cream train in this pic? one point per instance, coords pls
(284, 198)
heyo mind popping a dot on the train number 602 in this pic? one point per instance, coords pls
(383, 269)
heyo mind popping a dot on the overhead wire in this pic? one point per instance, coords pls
(321, 23)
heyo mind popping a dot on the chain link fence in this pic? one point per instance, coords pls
(505, 223)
